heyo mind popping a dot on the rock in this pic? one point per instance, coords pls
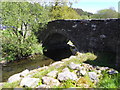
(97, 67)
(93, 76)
(43, 86)
(112, 71)
(24, 73)
(13, 78)
(72, 57)
(74, 66)
(103, 68)
(3, 62)
(18, 76)
(88, 67)
(80, 73)
(57, 64)
(39, 69)
(98, 71)
(82, 68)
(65, 70)
(83, 72)
(1, 84)
(30, 75)
(52, 74)
(50, 81)
(79, 54)
(65, 60)
(63, 76)
(29, 82)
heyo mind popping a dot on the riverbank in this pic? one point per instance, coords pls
(4, 62)
(67, 73)
(30, 63)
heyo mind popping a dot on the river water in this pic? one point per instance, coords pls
(30, 63)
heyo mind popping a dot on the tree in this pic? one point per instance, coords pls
(106, 13)
(61, 10)
(22, 20)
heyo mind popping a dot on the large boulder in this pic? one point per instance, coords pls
(29, 82)
(13, 78)
(17, 77)
(50, 81)
(24, 73)
(52, 74)
(93, 76)
(66, 75)
(74, 66)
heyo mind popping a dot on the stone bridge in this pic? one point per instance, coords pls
(87, 36)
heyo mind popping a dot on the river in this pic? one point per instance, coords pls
(30, 63)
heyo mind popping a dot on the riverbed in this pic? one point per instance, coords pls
(30, 63)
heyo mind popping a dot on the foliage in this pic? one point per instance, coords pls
(106, 13)
(68, 84)
(103, 59)
(83, 14)
(43, 72)
(110, 81)
(83, 81)
(12, 85)
(63, 12)
(22, 21)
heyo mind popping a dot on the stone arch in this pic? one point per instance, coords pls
(56, 46)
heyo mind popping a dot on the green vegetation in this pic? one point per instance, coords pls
(109, 81)
(105, 13)
(22, 21)
(103, 59)
(12, 85)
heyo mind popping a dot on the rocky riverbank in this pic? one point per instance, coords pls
(67, 73)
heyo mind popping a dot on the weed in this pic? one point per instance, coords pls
(110, 81)
(68, 84)
(12, 85)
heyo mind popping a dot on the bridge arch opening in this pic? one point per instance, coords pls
(57, 47)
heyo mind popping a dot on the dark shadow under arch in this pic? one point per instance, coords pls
(56, 47)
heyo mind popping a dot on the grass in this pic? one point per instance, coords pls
(42, 73)
(12, 85)
(104, 59)
(80, 58)
(110, 81)
(107, 81)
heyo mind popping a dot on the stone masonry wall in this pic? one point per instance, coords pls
(88, 35)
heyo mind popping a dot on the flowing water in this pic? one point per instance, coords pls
(29, 63)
